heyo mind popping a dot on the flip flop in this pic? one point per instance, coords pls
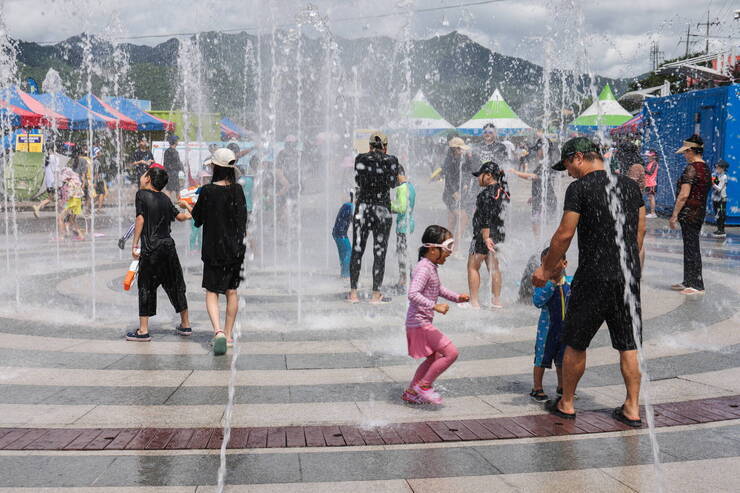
(351, 301)
(382, 301)
(618, 414)
(552, 408)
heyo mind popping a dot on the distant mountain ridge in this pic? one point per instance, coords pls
(456, 74)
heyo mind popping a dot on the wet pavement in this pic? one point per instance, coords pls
(317, 393)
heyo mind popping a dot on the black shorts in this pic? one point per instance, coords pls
(100, 188)
(161, 267)
(221, 278)
(593, 302)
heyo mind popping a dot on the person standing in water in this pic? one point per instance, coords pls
(689, 212)
(488, 233)
(403, 207)
(153, 245)
(376, 172)
(601, 290)
(651, 181)
(221, 210)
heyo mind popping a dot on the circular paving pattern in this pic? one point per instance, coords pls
(330, 375)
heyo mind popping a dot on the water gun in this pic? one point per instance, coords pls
(189, 195)
(133, 269)
(435, 174)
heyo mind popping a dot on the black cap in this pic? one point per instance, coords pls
(578, 144)
(488, 167)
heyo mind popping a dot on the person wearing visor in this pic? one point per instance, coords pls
(458, 195)
(376, 172)
(488, 233)
(689, 212)
(222, 211)
(601, 290)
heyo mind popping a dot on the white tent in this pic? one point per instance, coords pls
(498, 112)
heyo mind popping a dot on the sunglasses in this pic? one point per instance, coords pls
(489, 132)
(447, 245)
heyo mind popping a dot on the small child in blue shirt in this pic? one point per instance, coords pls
(339, 233)
(552, 298)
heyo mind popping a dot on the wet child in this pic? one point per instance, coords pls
(339, 233)
(222, 211)
(424, 339)
(488, 232)
(70, 197)
(719, 196)
(403, 207)
(153, 245)
(552, 298)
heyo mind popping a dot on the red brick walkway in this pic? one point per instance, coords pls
(541, 425)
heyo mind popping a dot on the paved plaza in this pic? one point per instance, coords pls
(317, 403)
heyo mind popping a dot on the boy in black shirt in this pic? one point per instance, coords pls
(488, 232)
(158, 260)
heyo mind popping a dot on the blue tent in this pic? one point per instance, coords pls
(144, 120)
(80, 118)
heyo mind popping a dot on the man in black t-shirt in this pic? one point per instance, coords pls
(173, 166)
(158, 260)
(608, 271)
(141, 159)
(488, 233)
(376, 172)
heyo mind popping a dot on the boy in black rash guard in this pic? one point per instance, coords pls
(158, 260)
(488, 232)
(376, 173)
(221, 209)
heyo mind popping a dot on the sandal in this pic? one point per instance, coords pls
(382, 301)
(138, 336)
(183, 331)
(538, 395)
(552, 408)
(219, 343)
(618, 414)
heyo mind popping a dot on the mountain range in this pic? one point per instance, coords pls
(362, 81)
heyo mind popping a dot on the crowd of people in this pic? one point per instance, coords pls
(604, 289)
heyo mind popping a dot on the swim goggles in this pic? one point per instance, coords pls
(447, 245)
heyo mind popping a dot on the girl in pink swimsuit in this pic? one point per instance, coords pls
(425, 340)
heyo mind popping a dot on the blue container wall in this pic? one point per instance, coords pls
(715, 115)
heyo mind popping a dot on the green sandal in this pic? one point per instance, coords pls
(219, 343)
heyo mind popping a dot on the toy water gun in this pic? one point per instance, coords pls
(189, 195)
(133, 269)
(435, 174)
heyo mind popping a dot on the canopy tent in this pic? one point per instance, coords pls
(230, 130)
(604, 112)
(498, 112)
(18, 117)
(144, 120)
(102, 108)
(421, 118)
(14, 96)
(631, 126)
(80, 117)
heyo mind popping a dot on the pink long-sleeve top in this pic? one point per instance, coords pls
(423, 293)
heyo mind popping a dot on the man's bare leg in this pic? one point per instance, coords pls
(574, 364)
(630, 367)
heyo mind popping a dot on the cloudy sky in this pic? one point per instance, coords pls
(611, 38)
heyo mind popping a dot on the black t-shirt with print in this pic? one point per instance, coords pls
(158, 213)
(489, 213)
(598, 250)
(141, 155)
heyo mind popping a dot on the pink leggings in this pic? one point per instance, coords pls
(435, 364)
